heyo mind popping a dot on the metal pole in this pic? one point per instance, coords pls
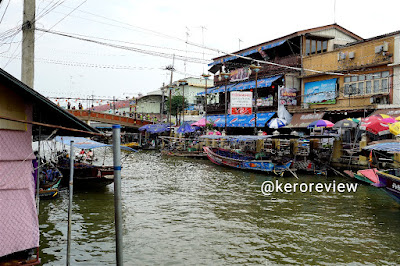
(183, 103)
(38, 172)
(255, 107)
(226, 104)
(170, 111)
(205, 106)
(71, 188)
(162, 105)
(117, 192)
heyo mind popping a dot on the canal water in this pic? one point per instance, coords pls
(179, 211)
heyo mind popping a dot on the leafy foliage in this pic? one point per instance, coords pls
(176, 104)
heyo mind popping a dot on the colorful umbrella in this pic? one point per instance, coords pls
(345, 123)
(398, 118)
(201, 123)
(384, 116)
(375, 126)
(276, 123)
(395, 128)
(320, 123)
(186, 128)
(357, 120)
(389, 120)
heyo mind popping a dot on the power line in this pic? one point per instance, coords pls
(154, 53)
(4, 11)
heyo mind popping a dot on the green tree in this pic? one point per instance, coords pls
(176, 105)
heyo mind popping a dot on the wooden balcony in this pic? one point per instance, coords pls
(268, 70)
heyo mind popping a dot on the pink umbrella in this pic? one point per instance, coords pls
(389, 120)
(200, 123)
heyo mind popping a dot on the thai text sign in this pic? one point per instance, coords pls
(240, 74)
(320, 92)
(241, 102)
(287, 96)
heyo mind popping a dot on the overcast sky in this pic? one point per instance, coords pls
(67, 67)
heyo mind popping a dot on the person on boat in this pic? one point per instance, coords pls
(89, 155)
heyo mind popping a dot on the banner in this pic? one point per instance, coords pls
(240, 74)
(320, 92)
(287, 96)
(265, 101)
(241, 102)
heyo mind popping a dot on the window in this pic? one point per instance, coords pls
(324, 46)
(373, 83)
(316, 46)
(384, 85)
(368, 87)
(376, 85)
(313, 46)
(308, 47)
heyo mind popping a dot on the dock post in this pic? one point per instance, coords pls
(117, 192)
(71, 188)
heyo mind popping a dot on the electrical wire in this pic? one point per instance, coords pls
(148, 52)
(5, 10)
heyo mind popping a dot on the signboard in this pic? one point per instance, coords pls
(265, 101)
(287, 96)
(320, 92)
(240, 74)
(241, 102)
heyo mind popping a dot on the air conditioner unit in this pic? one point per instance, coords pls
(385, 47)
(351, 55)
(378, 49)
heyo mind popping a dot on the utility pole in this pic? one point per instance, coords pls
(28, 43)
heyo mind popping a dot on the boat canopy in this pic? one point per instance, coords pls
(386, 146)
(84, 143)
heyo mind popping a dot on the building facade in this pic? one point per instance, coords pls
(279, 79)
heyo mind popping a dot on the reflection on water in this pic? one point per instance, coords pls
(184, 211)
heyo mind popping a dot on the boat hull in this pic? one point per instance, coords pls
(391, 181)
(245, 163)
(189, 154)
(89, 175)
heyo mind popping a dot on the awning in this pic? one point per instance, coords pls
(247, 85)
(395, 112)
(241, 120)
(261, 83)
(302, 120)
(246, 53)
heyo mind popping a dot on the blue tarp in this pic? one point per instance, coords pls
(386, 146)
(84, 143)
(261, 83)
(155, 128)
(241, 120)
(246, 53)
(247, 85)
(186, 128)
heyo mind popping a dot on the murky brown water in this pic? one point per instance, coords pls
(190, 212)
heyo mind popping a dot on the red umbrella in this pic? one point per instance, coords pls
(375, 126)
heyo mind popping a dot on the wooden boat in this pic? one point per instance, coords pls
(87, 174)
(49, 181)
(391, 181)
(367, 176)
(246, 162)
(131, 145)
(189, 154)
